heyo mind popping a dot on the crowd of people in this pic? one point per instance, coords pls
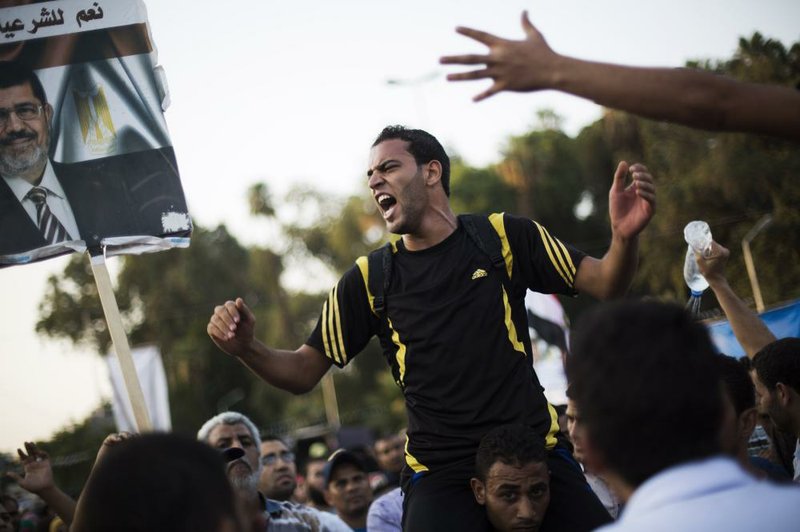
(658, 423)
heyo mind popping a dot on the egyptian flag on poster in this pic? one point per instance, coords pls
(109, 151)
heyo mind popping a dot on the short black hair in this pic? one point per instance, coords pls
(14, 73)
(643, 377)
(423, 146)
(514, 445)
(274, 437)
(779, 362)
(737, 382)
(157, 482)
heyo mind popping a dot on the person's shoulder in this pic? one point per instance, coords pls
(510, 222)
(389, 499)
(302, 517)
(330, 522)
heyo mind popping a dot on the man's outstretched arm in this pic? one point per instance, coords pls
(630, 207)
(747, 327)
(232, 328)
(689, 97)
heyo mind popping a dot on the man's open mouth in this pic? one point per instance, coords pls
(386, 203)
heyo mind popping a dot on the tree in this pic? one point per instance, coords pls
(731, 181)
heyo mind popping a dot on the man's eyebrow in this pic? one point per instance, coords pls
(380, 167)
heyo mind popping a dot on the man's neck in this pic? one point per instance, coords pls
(621, 488)
(251, 500)
(438, 223)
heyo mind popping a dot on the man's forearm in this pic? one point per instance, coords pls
(619, 266)
(689, 97)
(294, 371)
(612, 275)
(747, 327)
(61, 503)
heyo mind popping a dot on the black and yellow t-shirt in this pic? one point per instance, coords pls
(456, 335)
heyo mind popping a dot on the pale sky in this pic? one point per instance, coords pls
(294, 92)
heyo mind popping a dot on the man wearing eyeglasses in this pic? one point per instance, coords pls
(278, 479)
(34, 207)
(238, 436)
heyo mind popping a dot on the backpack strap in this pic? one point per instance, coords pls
(482, 233)
(379, 276)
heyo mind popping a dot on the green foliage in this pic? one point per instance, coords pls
(331, 231)
(480, 190)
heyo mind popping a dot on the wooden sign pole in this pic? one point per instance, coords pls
(120, 341)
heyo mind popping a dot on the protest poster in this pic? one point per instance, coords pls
(86, 162)
(93, 135)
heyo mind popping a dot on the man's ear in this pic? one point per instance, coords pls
(48, 112)
(747, 421)
(478, 490)
(433, 172)
(327, 494)
(783, 393)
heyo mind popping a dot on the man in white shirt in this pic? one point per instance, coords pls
(655, 416)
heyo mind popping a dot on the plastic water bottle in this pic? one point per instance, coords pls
(698, 235)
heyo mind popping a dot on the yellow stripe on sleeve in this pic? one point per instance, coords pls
(557, 251)
(327, 330)
(323, 325)
(338, 319)
(545, 237)
(568, 258)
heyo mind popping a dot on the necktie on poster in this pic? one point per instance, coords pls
(52, 229)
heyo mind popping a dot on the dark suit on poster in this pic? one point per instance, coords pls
(124, 195)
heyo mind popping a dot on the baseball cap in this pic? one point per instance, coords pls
(339, 457)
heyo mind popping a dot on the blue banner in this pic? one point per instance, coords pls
(783, 321)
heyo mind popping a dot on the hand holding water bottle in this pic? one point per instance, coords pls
(712, 264)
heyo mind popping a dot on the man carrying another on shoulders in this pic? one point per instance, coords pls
(447, 302)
